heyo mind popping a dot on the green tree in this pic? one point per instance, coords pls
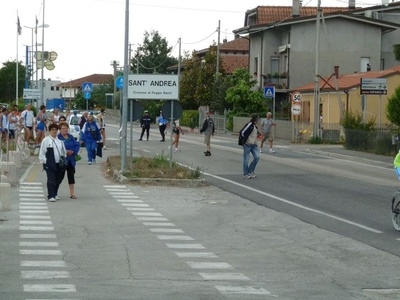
(243, 95)
(98, 96)
(153, 55)
(188, 83)
(393, 107)
(8, 82)
(396, 52)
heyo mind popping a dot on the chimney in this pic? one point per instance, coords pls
(296, 5)
(352, 4)
(237, 36)
(224, 41)
(336, 68)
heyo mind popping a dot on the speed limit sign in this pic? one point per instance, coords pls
(296, 97)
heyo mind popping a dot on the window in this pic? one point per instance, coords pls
(52, 88)
(274, 67)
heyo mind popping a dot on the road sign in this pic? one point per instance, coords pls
(296, 97)
(119, 82)
(87, 87)
(269, 91)
(32, 94)
(153, 87)
(87, 95)
(296, 109)
(373, 86)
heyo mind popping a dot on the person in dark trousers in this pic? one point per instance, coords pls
(162, 125)
(208, 129)
(145, 122)
(249, 139)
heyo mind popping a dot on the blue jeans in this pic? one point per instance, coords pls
(246, 153)
(91, 150)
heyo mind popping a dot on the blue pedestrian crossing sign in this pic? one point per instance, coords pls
(119, 82)
(87, 95)
(87, 87)
(269, 92)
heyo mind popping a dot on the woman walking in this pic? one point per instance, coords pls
(90, 136)
(72, 147)
(176, 130)
(51, 150)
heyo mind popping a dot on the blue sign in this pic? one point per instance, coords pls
(87, 95)
(269, 92)
(87, 87)
(119, 82)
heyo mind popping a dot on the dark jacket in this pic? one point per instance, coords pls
(208, 126)
(146, 121)
(82, 122)
(246, 131)
(70, 144)
(90, 132)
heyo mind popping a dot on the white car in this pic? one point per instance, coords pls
(74, 128)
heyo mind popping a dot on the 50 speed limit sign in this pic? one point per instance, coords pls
(296, 97)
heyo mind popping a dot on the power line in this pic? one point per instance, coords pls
(200, 40)
(151, 68)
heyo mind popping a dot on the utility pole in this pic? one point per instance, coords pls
(316, 83)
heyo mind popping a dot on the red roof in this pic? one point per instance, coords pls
(269, 14)
(347, 81)
(232, 62)
(94, 78)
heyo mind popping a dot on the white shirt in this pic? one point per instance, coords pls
(27, 118)
(49, 142)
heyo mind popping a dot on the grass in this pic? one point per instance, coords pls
(157, 166)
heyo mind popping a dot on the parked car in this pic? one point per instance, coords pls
(74, 128)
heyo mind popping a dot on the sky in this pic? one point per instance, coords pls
(88, 35)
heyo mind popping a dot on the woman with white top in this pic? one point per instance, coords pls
(12, 122)
(51, 149)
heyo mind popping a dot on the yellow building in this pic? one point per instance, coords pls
(349, 95)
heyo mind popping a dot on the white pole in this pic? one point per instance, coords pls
(42, 59)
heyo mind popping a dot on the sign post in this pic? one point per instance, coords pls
(269, 92)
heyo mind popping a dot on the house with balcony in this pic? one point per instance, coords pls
(283, 41)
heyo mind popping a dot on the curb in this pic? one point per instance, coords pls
(159, 181)
(350, 158)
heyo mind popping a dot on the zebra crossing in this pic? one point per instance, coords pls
(42, 268)
(185, 246)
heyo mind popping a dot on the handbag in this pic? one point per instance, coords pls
(63, 162)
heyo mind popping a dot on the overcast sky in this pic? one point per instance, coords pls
(88, 35)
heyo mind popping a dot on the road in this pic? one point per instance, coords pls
(308, 227)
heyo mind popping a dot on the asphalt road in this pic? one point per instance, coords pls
(308, 227)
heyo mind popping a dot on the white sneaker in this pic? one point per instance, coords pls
(52, 199)
(260, 150)
(89, 163)
(177, 150)
(252, 175)
(104, 148)
(272, 151)
(247, 176)
(57, 198)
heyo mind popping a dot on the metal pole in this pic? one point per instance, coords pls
(316, 83)
(171, 133)
(42, 59)
(125, 90)
(131, 136)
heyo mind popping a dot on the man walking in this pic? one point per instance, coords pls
(145, 122)
(266, 126)
(162, 125)
(249, 139)
(208, 129)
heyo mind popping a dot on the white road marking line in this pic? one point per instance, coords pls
(147, 214)
(122, 193)
(27, 187)
(140, 208)
(126, 197)
(34, 217)
(40, 252)
(166, 230)
(52, 288)
(129, 201)
(35, 222)
(295, 204)
(31, 190)
(37, 228)
(185, 246)
(33, 211)
(37, 236)
(23, 204)
(43, 199)
(38, 244)
(30, 195)
(33, 207)
(135, 204)
(153, 219)
(44, 263)
(118, 190)
(224, 276)
(30, 184)
(196, 254)
(158, 224)
(115, 186)
(209, 265)
(242, 290)
(44, 274)
(175, 237)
